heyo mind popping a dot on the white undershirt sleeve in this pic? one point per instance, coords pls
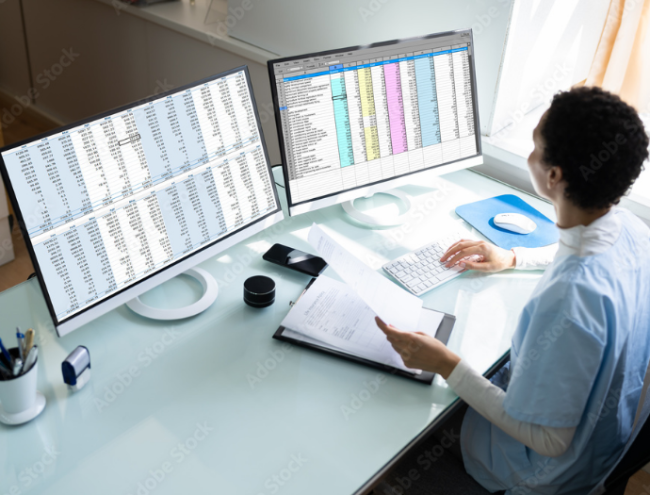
(487, 399)
(534, 258)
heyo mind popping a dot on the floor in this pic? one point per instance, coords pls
(17, 271)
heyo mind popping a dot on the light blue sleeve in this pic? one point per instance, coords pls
(556, 355)
(502, 377)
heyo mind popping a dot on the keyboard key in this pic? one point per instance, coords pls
(446, 274)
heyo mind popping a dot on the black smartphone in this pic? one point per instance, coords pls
(295, 259)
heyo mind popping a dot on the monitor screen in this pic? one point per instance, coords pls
(109, 202)
(357, 116)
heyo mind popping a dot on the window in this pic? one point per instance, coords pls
(553, 45)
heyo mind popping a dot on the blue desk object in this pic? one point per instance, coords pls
(480, 215)
(213, 404)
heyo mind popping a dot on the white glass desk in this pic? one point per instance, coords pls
(215, 405)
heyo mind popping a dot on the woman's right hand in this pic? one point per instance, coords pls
(485, 257)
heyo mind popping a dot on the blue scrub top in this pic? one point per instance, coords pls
(578, 359)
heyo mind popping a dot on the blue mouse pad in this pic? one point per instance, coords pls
(480, 215)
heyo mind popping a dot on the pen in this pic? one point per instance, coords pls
(291, 303)
(18, 366)
(29, 341)
(6, 355)
(31, 359)
(21, 343)
(4, 370)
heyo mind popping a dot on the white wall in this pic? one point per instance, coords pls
(291, 27)
(118, 58)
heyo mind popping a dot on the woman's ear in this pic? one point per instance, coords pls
(553, 178)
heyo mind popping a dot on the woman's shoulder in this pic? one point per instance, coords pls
(632, 223)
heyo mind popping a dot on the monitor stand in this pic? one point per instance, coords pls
(210, 293)
(380, 221)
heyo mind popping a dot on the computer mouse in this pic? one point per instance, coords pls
(515, 222)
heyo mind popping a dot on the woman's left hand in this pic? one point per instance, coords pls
(420, 351)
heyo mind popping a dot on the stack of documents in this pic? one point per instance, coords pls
(341, 315)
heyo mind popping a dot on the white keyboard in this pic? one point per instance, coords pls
(421, 270)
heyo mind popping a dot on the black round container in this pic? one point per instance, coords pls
(259, 291)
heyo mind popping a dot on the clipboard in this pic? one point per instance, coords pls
(426, 377)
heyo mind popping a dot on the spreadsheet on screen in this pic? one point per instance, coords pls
(365, 115)
(114, 200)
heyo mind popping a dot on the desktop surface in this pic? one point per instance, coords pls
(213, 404)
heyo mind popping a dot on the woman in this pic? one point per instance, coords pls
(558, 417)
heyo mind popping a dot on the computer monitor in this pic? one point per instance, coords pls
(361, 120)
(114, 205)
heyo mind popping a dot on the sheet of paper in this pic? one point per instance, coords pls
(332, 313)
(393, 304)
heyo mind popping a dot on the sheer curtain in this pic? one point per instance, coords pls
(622, 61)
(622, 65)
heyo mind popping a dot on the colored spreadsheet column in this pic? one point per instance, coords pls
(427, 100)
(342, 119)
(369, 115)
(395, 108)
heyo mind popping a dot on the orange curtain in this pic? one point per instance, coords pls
(622, 61)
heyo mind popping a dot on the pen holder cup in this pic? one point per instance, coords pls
(18, 394)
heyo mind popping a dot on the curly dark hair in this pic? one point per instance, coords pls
(598, 141)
